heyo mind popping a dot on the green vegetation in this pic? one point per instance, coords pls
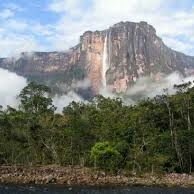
(156, 135)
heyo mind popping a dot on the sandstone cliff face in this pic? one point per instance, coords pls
(136, 51)
(92, 44)
(114, 58)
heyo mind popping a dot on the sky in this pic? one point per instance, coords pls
(56, 25)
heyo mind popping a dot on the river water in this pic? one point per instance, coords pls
(7, 189)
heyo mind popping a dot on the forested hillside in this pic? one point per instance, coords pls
(156, 135)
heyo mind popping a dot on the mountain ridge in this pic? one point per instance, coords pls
(120, 55)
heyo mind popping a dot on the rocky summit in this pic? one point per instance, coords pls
(114, 59)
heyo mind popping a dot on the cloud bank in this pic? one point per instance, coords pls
(10, 87)
(146, 87)
(62, 101)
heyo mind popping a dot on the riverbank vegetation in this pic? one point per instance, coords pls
(156, 135)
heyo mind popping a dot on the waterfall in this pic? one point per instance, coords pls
(109, 48)
(105, 62)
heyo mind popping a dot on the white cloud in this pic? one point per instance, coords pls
(14, 85)
(10, 87)
(62, 101)
(146, 87)
(44, 30)
(102, 14)
(16, 25)
(57, 6)
(11, 44)
(13, 6)
(6, 13)
(70, 6)
(124, 7)
(17, 35)
(75, 17)
(179, 45)
(84, 84)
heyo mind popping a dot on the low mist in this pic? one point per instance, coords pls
(65, 100)
(10, 87)
(11, 84)
(146, 87)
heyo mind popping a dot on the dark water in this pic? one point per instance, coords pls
(63, 190)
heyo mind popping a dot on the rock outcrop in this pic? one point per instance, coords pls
(114, 58)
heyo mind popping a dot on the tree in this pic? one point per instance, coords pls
(34, 99)
(105, 156)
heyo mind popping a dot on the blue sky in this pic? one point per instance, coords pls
(47, 25)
